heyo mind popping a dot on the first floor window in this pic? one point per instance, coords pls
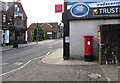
(4, 18)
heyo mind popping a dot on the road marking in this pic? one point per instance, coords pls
(25, 64)
(22, 66)
(10, 71)
(18, 63)
(48, 53)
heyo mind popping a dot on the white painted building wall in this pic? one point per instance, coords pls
(80, 28)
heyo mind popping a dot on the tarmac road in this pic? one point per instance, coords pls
(39, 71)
(15, 58)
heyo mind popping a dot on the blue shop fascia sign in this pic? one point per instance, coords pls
(90, 10)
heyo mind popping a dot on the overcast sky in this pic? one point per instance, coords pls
(40, 10)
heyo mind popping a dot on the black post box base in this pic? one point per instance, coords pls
(89, 58)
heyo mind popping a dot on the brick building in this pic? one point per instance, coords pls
(14, 23)
(51, 30)
(3, 7)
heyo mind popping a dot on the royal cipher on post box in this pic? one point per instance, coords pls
(88, 48)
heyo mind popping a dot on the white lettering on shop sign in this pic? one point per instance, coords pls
(112, 3)
(109, 10)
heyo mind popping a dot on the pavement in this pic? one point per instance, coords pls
(10, 47)
(55, 58)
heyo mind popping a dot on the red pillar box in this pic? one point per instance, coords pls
(88, 48)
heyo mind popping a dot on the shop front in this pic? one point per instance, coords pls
(82, 18)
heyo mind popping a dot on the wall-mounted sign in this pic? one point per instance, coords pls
(49, 33)
(94, 9)
(79, 10)
(58, 8)
(106, 11)
(67, 39)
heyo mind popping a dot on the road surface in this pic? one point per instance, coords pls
(15, 58)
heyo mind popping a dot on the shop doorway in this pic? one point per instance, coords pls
(109, 51)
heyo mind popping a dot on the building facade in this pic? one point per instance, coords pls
(14, 23)
(3, 7)
(51, 30)
(83, 18)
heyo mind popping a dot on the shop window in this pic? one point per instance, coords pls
(16, 10)
(4, 18)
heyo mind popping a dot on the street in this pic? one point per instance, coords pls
(27, 64)
(15, 58)
(39, 71)
(72, 40)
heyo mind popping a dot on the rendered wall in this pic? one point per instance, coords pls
(80, 28)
